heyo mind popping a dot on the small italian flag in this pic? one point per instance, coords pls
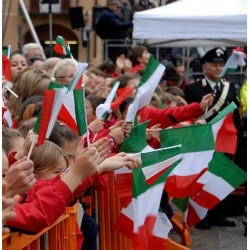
(141, 219)
(224, 131)
(103, 110)
(234, 61)
(62, 46)
(146, 88)
(46, 120)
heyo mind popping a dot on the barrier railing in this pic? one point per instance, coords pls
(61, 235)
(109, 209)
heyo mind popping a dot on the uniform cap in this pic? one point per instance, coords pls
(216, 55)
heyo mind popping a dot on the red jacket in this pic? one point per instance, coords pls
(42, 208)
(169, 116)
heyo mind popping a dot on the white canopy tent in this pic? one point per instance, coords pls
(193, 23)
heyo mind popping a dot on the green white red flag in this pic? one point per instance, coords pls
(48, 115)
(146, 88)
(197, 151)
(103, 110)
(136, 142)
(222, 178)
(224, 131)
(62, 46)
(77, 80)
(234, 61)
(144, 217)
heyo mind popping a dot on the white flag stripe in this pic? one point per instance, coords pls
(141, 212)
(129, 211)
(216, 127)
(81, 67)
(144, 93)
(106, 106)
(69, 104)
(158, 167)
(193, 163)
(162, 226)
(58, 101)
(215, 185)
(123, 170)
(200, 211)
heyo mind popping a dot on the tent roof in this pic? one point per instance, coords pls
(194, 23)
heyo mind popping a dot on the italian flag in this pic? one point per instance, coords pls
(197, 151)
(46, 120)
(80, 112)
(73, 112)
(149, 81)
(222, 178)
(141, 219)
(236, 59)
(77, 80)
(224, 131)
(135, 143)
(62, 46)
(103, 110)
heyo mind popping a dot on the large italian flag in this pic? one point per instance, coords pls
(197, 150)
(198, 144)
(148, 83)
(222, 177)
(141, 219)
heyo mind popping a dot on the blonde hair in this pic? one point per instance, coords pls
(29, 83)
(46, 157)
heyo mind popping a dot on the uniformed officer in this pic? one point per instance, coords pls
(225, 92)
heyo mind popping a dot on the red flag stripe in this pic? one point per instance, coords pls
(47, 108)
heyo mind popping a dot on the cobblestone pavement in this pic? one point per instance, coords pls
(218, 238)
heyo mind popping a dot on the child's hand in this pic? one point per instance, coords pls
(20, 177)
(103, 146)
(26, 145)
(206, 101)
(86, 162)
(118, 161)
(118, 135)
(96, 126)
(8, 205)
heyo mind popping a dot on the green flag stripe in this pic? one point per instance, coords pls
(139, 182)
(80, 111)
(194, 138)
(37, 124)
(182, 204)
(226, 169)
(136, 141)
(54, 85)
(157, 156)
(149, 70)
(230, 108)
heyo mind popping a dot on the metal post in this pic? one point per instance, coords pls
(50, 30)
(28, 20)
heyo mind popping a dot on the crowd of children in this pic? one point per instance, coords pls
(37, 189)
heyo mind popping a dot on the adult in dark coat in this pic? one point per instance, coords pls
(212, 65)
(112, 28)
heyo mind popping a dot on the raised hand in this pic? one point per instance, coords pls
(20, 177)
(118, 161)
(96, 126)
(206, 101)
